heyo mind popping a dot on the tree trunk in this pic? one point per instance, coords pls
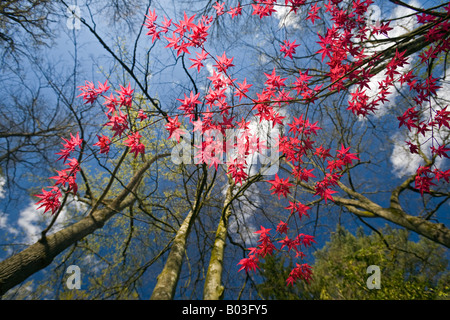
(168, 278)
(213, 289)
(19, 267)
(36, 257)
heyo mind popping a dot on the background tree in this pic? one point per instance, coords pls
(25, 23)
(409, 269)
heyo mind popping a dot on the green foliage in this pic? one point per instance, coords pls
(274, 287)
(408, 270)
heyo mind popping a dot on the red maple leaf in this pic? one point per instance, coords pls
(118, 123)
(287, 242)
(274, 81)
(189, 104)
(198, 62)
(442, 117)
(302, 272)
(345, 156)
(440, 151)
(90, 93)
(242, 89)
(133, 141)
(288, 48)
(312, 14)
(423, 181)
(173, 126)
(223, 63)
(166, 25)
(219, 8)
(280, 186)
(323, 191)
(263, 232)
(250, 263)
(282, 227)
(69, 146)
(298, 207)
(103, 143)
(234, 12)
(49, 200)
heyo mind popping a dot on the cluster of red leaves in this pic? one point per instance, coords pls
(425, 119)
(118, 123)
(117, 112)
(348, 61)
(50, 200)
(267, 247)
(185, 35)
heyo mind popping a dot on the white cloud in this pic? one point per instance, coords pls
(399, 27)
(32, 220)
(94, 263)
(286, 17)
(4, 224)
(405, 163)
(3, 220)
(29, 220)
(2, 187)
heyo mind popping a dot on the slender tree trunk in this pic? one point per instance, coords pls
(168, 278)
(36, 257)
(213, 289)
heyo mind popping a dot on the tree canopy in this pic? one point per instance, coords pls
(209, 150)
